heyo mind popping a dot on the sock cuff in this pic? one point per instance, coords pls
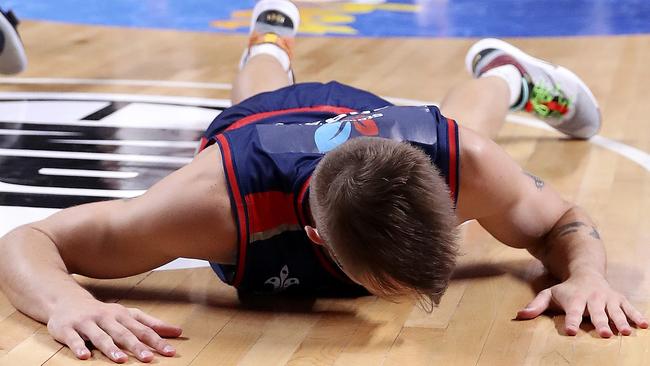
(511, 75)
(271, 49)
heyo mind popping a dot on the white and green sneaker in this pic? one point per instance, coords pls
(552, 93)
(12, 52)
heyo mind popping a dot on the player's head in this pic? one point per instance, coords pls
(384, 212)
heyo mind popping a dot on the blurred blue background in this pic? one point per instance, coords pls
(424, 18)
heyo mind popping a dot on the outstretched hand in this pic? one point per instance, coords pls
(111, 328)
(587, 295)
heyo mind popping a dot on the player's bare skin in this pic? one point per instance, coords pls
(117, 239)
(126, 237)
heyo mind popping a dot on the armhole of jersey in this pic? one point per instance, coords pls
(203, 143)
(239, 208)
(454, 159)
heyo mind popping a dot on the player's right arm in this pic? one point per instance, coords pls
(521, 211)
(187, 214)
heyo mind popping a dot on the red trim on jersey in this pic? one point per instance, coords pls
(258, 116)
(202, 143)
(269, 210)
(453, 160)
(304, 214)
(241, 213)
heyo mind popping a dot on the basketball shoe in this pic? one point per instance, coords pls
(552, 93)
(274, 25)
(12, 53)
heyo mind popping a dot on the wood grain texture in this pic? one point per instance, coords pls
(474, 324)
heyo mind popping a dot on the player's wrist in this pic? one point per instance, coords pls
(587, 274)
(66, 299)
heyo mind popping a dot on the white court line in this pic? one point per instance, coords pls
(109, 124)
(138, 98)
(35, 133)
(123, 82)
(17, 188)
(636, 155)
(87, 173)
(94, 156)
(183, 263)
(140, 143)
(632, 153)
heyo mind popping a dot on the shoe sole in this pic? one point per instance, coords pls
(14, 61)
(285, 6)
(519, 54)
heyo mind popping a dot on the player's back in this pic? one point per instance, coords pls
(269, 162)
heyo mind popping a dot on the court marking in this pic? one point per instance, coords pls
(112, 82)
(633, 154)
(36, 133)
(87, 173)
(16, 188)
(115, 97)
(95, 156)
(141, 143)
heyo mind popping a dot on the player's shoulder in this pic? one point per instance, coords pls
(208, 155)
(475, 164)
(472, 147)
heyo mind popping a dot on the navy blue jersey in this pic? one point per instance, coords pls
(269, 156)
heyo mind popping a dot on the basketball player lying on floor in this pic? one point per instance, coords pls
(298, 190)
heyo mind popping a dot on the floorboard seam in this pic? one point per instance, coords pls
(211, 339)
(487, 336)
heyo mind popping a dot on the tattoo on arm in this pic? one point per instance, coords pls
(569, 228)
(539, 183)
(573, 227)
(566, 229)
(567, 232)
(594, 233)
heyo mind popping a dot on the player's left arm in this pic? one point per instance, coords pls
(522, 211)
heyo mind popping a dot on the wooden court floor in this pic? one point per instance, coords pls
(474, 324)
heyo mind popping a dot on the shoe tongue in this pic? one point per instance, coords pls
(281, 31)
(274, 17)
(272, 21)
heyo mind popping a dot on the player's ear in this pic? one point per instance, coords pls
(313, 235)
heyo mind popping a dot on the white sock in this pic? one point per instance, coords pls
(511, 75)
(271, 50)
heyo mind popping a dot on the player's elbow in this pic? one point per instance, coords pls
(564, 210)
(64, 241)
(15, 238)
(24, 242)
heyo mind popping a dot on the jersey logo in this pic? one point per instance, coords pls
(337, 130)
(283, 281)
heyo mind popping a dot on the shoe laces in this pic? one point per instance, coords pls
(547, 99)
